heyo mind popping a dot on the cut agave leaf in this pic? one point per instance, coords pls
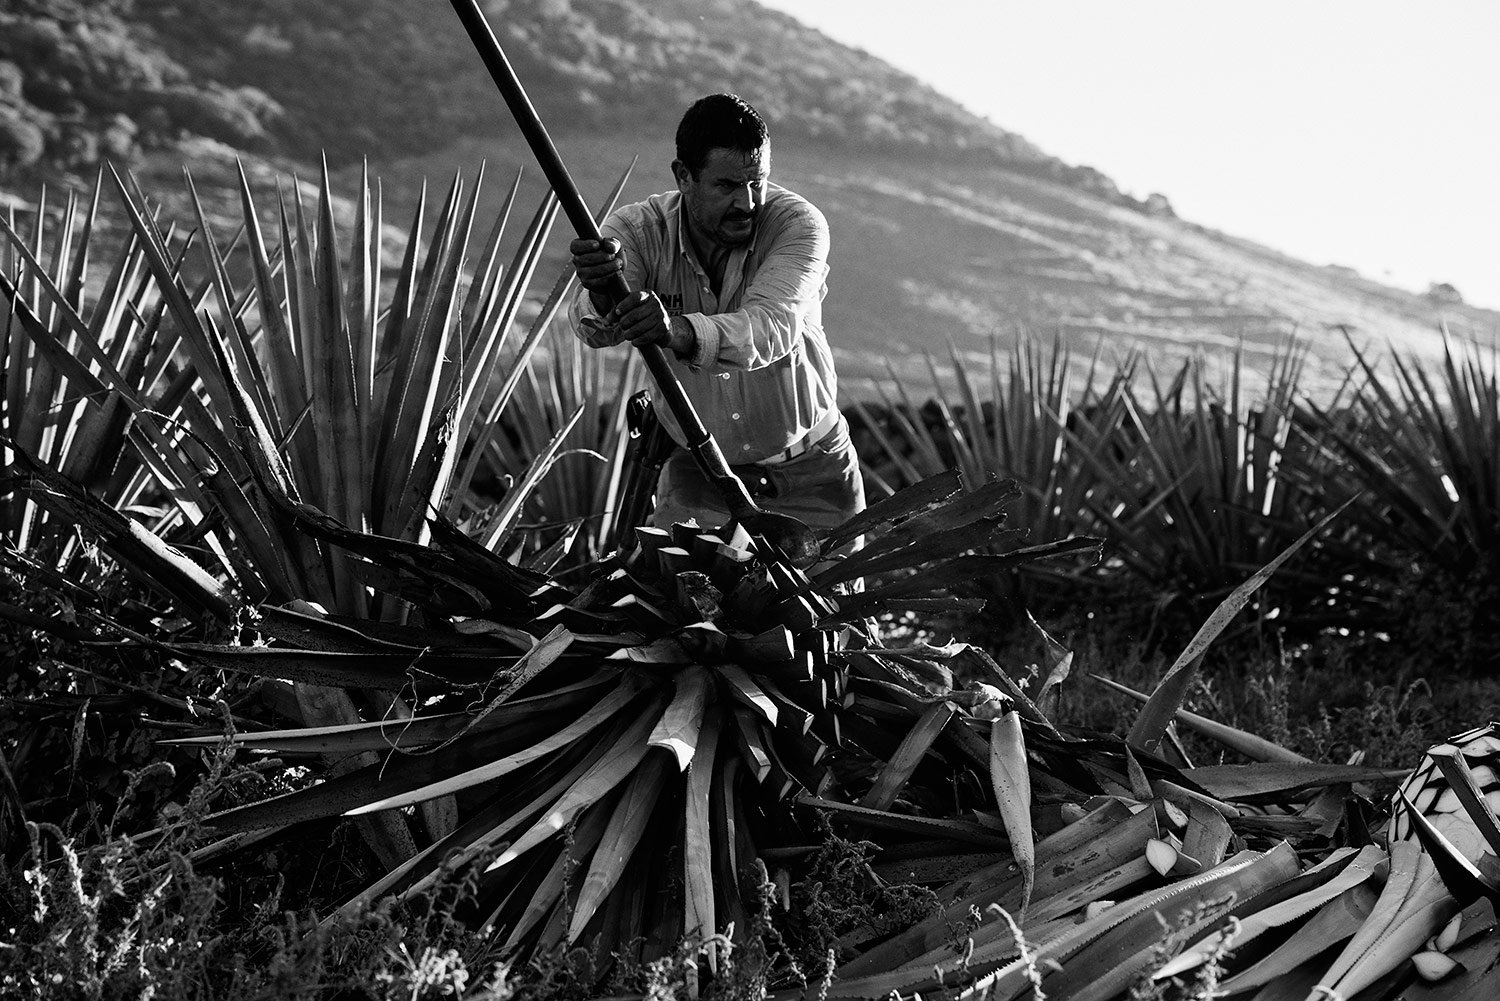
(912, 749)
(1244, 782)
(1413, 906)
(1010, 776)
(680, 726)
(1335, 875)
(1163, 704)
(1080, 859)
(550, 895)
(620, 839)
(897, 507)
(585, 724)
(382, 735)
(698, 841)
(1101, 955)
(1335, 922)
(1250, 745)
(610, 771)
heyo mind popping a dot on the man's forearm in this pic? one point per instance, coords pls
(681, 338)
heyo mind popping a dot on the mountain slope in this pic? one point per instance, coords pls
(924, 253)
(944, 225)
(387, 78)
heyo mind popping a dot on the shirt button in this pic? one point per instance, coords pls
(744, 448)
(735, 416)
(723, 375)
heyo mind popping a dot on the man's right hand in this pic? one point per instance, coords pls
(597, 263)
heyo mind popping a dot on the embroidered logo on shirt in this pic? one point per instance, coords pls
(673, 302)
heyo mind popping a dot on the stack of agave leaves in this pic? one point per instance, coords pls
(618, 745)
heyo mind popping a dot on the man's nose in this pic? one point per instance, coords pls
(744, 198)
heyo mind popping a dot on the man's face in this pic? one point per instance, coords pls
(722, 202)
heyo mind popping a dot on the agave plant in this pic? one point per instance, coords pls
(1422, 452)
(590, 701)
(56, 404)
(304, 376)
(67, 340)
(1192, 487)
(677, 707)
(1013, 426)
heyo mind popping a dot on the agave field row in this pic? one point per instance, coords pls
(354, 522)
(1193, 485)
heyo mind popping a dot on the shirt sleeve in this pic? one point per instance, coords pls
(783, 294)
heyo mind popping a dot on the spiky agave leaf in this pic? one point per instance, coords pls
(137, 549)
(1167, 698)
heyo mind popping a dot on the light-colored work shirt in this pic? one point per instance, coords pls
(760, 374)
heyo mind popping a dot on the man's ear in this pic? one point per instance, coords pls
(681, 174)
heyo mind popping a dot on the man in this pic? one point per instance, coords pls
(728, 274)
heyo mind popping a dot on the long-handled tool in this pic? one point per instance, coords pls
(782, 532)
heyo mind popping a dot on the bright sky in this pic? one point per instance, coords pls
(1355, 132)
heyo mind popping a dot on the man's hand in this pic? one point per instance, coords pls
(640, 318)
(597, 263)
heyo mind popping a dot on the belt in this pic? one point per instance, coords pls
(803, 445)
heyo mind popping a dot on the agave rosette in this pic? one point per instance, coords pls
(671, 711)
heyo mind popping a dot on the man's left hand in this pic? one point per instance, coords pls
(640, 318)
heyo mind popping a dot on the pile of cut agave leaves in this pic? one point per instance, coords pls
(632, 757)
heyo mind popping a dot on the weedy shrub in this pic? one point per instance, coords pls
(840, 902)
(79, 727)
(140, 918)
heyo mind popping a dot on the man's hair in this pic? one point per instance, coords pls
(718, 121)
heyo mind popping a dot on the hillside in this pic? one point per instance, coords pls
(945, 225)
(604, 64)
